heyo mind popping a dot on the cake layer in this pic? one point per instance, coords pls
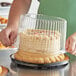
(40, 41)
(38, 58)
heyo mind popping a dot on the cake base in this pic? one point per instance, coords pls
(38, 58)
(41, 66)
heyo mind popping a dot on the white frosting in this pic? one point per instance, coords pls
(40, 41)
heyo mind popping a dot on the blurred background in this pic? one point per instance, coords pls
(5, 6)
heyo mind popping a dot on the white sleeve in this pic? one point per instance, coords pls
(34, 7)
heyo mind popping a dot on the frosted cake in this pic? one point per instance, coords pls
(39, 46)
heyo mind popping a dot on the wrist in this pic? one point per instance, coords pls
(74, 34)
(12, 26)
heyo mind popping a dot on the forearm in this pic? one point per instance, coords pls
(18, 7)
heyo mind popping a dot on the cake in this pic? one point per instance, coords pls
(39, 46)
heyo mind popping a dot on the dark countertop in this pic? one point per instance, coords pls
(14, 70)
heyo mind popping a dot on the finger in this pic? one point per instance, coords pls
(74, 51)
(6, 41)
(71, 45)
(13, 37)
(74, 46)
(4, 34)
(67, 44)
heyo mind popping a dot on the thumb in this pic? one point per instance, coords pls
(67, 44)
(13, 36)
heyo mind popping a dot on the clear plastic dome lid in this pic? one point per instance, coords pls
(41, 33)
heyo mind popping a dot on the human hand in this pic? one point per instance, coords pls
(8, 35)
(71, 44)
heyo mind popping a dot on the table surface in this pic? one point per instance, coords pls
(14, 70)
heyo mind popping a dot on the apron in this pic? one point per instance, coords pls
(61, 8)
